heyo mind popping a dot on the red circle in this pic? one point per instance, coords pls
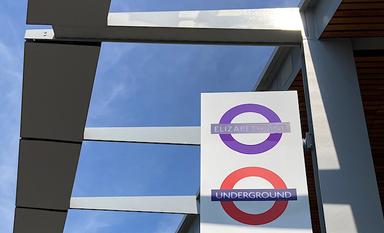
(268, 216)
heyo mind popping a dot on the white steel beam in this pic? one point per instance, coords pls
(281, 69)
(259, 19)
(317, 15)
(349, 195)
(189, 135)
(155, 204)
(304, 4)
(247, 26)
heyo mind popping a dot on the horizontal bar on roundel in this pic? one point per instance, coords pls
(188, 135)
(153, 204)
(274, 26)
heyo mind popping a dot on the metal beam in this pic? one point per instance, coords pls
(258, 19)
(305, 4)
(39, 221)
(170, 36)
(281, 69)
(318, 15)
(188, 135)
(189, 224)
(249, 26)
(341, 142)
(69, 12)
(46, 174)
(156, 204)
(57, 86)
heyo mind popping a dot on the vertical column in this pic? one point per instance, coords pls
(57, 86)
(348, 188)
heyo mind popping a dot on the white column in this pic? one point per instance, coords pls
(347, 182)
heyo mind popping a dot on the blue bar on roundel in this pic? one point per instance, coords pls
(254, 195)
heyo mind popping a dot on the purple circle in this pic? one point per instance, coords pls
(264, 146)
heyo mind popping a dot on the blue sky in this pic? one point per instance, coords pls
(136, 85)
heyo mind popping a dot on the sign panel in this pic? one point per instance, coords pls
(252, 164)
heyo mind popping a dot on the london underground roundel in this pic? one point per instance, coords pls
(272, 140)
(279, 194)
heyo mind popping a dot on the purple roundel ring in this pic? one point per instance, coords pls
(264, 146)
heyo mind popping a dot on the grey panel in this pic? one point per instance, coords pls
(57, 87)
(39, 221)
(68, 12)
(46, 174)
(167, 35)
(180, 35)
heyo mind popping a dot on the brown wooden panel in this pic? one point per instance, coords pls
(357, 18)
(370, 69)
(359, 13)
(350, 34)
(361, 5)
(369, 64)
(355, 27)
(368, 58)
(363, 1)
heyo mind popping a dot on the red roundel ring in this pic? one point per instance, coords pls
(268, 216)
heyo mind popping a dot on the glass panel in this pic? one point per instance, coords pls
(81, 221)
(123, 169)
(155, 85)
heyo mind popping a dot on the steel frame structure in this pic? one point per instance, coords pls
(59, 70)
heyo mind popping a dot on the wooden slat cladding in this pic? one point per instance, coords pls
(370, 68)
(357, 18)
(298, 86)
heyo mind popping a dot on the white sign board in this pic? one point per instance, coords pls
(252, 164)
